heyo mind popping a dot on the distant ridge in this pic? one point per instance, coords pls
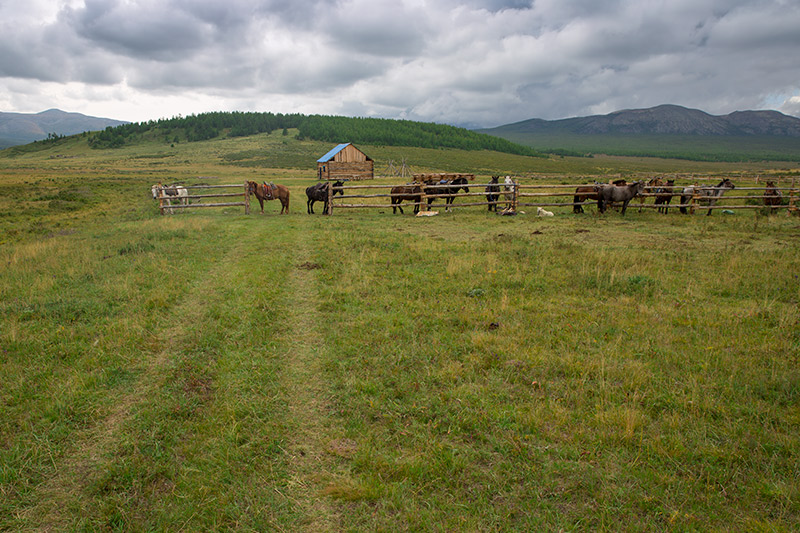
(23, 128)
(662, 120)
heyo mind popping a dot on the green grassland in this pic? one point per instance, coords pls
(212, 370)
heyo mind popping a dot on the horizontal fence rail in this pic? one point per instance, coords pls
(357, 196)
(535, 195)
(167, 205)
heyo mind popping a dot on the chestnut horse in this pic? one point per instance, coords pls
(411, 192)
(270, 192)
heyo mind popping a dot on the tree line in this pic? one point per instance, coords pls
(372, 131)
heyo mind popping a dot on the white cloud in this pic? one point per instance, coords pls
(475, 62)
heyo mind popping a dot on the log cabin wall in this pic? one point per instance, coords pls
(348, 163)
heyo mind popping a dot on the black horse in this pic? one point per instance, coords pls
(664, 196)
(493, 193)
(319, 193)
(446, 190)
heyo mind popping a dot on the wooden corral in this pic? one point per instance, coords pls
(345, 162)
(166, 205)
(522, 196)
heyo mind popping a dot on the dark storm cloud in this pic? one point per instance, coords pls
(477, 62)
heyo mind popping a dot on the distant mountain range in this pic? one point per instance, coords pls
(660, 120)
(23, 128)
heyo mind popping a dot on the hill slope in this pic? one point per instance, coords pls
(664, 119)
(665, 131)
(23, 128)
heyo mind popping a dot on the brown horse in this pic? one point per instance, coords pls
(269, 192)
(772, 196)
(411, 193)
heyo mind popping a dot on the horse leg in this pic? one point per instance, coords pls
(577, 206)
(625, 206)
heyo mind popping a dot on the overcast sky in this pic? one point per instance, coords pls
(468, 62)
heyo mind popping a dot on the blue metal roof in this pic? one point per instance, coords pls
(327, 157)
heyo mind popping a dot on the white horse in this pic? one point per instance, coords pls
(176, 193)
(508, 187)
(708, 195)
(543, 212)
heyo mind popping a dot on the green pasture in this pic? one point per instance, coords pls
(375, 372)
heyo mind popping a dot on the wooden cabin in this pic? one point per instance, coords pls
(345, 162)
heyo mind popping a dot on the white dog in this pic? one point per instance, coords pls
(543, 213)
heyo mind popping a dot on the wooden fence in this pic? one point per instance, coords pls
(524, 195)
(165, 205)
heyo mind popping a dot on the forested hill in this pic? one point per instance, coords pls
(370, 131)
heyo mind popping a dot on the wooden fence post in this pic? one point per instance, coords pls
(329, 203)
(160, 198)
(695, 196)
(246, 199)
(793, 201)
(515, 197)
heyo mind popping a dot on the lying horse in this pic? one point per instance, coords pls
(172, 193)
(664, 196)
(319, 193)
(266, 192)
(607, 194)
(411, 192)
(493, 193)
(772, 196)
(448, 190)
(708, 195)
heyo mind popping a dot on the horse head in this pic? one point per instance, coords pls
(337, 188)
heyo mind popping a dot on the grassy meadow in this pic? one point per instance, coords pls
(368, 372)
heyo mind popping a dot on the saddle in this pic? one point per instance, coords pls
(268, 190)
